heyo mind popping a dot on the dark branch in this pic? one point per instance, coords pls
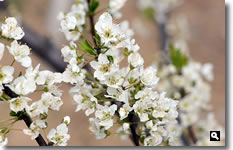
(133, 127)
(92, 25)
(192, 135)
(25, 117)
(164, 41)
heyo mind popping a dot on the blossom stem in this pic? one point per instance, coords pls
(126, 77)
(13, 62)
(3, 121)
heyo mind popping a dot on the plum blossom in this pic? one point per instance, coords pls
(73, 21)
(104, 115)
(10, 29)
(19, 103)
(85, 100)
(103, 67)
(20, 53)
(135, 60)
(6, 74)
(115, 6)
(59, 136)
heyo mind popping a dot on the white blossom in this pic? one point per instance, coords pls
(135, 60)
(86, 101)
(6, 74)
(108, 31)
(2, 48)
(153, 140)
(124, 111)
(207, 71)
(10, 29)
(73, 21)
(20, 53)
(103, 67)
(59, 136)
(96, 129)
(104, 115)
(24, 86)
(125, 126)
(149, 77)
(19, 103)
(3, 141)
(115, 6)
(66, 120)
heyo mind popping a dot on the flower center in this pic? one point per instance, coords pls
(105, 68)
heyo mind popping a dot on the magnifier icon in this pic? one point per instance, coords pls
(214, 135)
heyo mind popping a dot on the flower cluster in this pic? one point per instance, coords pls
(118, 95)
(72, 23)
(184, 80)
(27, 82)
(153, 105)
(190, 89)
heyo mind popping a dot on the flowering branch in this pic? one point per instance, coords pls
(28, 121)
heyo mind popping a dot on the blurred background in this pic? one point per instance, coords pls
(207, 44)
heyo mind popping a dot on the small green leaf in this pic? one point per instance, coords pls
(149, 13)
(178, 59)
(98, 40)
(13, 114)
(43, 116)
(86, 47)
(110, 59)
(94, 4)
(19, 114)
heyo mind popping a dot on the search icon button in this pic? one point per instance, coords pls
(214, 135)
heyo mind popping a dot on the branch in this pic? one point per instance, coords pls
(92, 25)
(192, 135)
(133, 127)
(164, 41)
(25, 117)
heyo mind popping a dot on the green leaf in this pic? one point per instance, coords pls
(13, 114)
(149, 13)
(93, 6)
(178, 59)
(110, 59)
(98, 40)
(86, 47)
(43, 116)
(19, 114)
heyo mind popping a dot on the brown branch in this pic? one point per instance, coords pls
(92, 25)
(192, 135)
